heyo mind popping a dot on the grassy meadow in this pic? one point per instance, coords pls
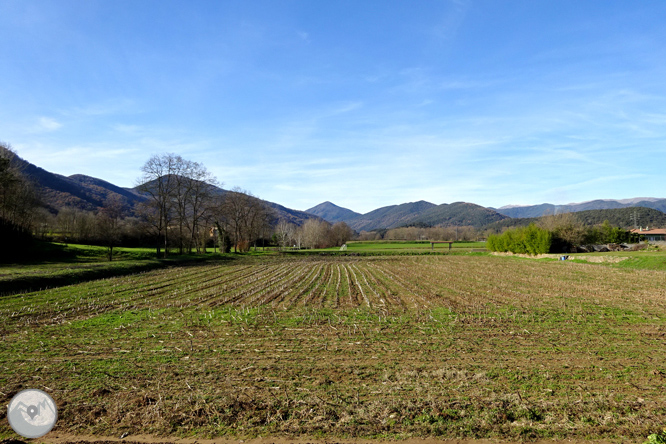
(407, 247)
(459, 345)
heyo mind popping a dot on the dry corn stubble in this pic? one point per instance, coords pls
(447, 346)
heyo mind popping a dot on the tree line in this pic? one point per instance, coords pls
(312, 234)
(414, 233)
(187, 209)
(184, 211)
(557, 234)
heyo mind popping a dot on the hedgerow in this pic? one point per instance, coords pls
(522, 240)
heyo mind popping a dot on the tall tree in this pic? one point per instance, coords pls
(567, 230)
(340, 233)
(158, 183)
(201, 186)
(108, 223)
(284, 232)
(315, 233)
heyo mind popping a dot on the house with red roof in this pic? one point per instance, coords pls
(651, 235)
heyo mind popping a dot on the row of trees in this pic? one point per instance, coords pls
(185, 211)
(17, 195)
(185, 207)
(107, 227)
(312, 234)
(423, 233)
(242, 220)
(180, 202)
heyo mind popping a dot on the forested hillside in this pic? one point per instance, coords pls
(619, 217)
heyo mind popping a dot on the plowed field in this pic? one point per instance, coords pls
(443, 346)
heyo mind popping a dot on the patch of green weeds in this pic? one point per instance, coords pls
(657, 438)
(116, 319)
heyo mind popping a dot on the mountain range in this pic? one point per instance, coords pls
(628, 217)
(600, 204)
(78, 191)
(89, 193)
(422, 213)
(419, 213)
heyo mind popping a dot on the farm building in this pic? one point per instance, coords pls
(651, 235)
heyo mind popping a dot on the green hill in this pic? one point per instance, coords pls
(622, 217)
(459, 214)
(391, 217)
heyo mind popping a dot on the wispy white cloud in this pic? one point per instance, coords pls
(48, 124)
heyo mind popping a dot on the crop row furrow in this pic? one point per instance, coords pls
(303, 286)
(317, 294)
(273, 282)
(352, 295)
(413, 291)
(277, 296)
(327, 288)
(355, 279)
(391, 290)
(213, 288)
(176, 291)
(373, 288)
(241, 296)
(338, 289)
(97, 297)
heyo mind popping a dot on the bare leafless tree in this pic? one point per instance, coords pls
(158, 183)
(181, 195)
(193, 200)
(243, 217)
(202, 201)
(340, 233)
(315, 233)
(109, 223)
(564, 226)
(284, 232)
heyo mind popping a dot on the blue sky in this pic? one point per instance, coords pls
(362, 103)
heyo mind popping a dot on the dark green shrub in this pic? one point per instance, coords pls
(522, 240)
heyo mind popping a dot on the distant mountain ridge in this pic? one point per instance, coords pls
(89, 193)
(599, 204)
(78, 191)
(460, 214)
(618, 217)
(411, 213)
